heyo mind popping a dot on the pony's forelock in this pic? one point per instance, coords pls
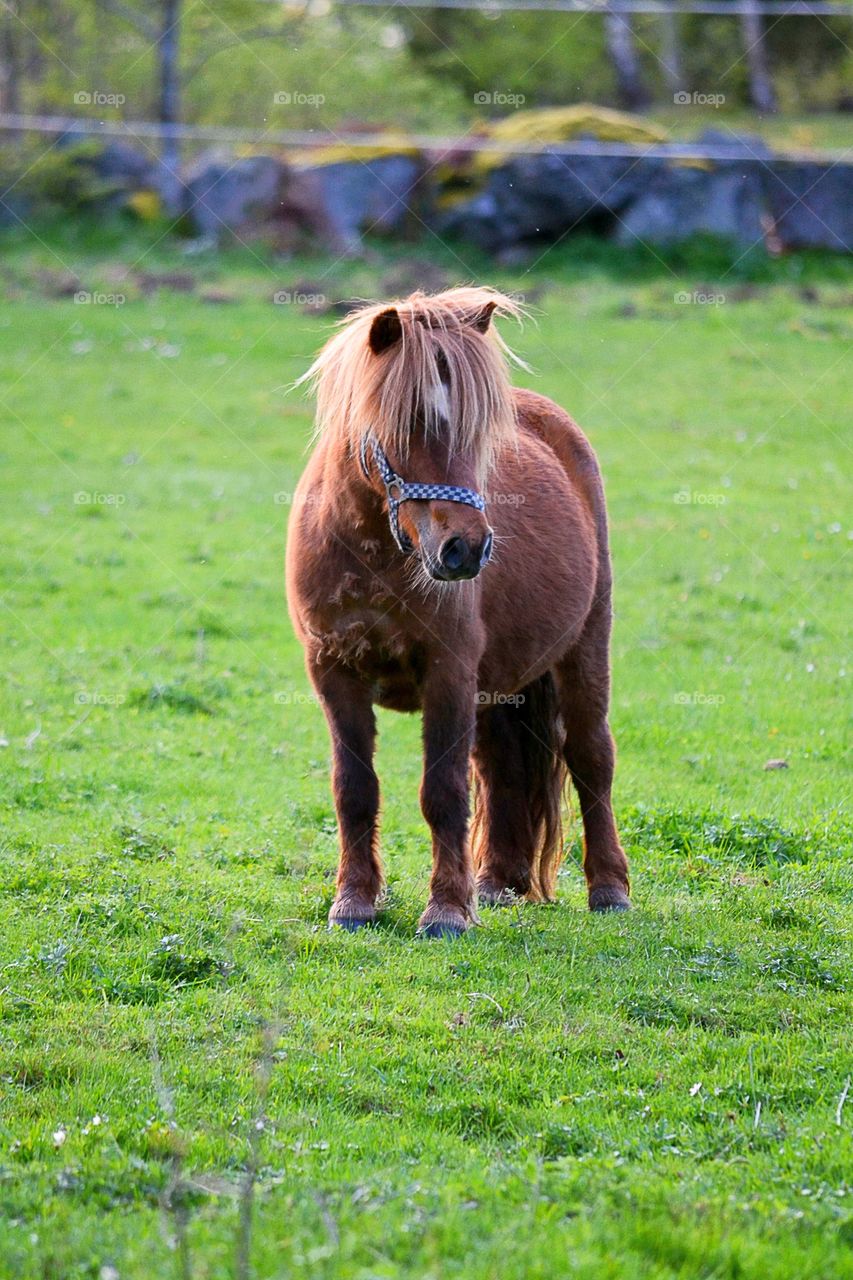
(358, 391)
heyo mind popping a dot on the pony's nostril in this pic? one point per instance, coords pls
(453, 554)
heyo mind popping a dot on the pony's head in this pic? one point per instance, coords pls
(426, 379)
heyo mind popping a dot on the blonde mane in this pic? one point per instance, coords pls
(359, 391)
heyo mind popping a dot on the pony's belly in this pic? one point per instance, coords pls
(398, 693)
(538, 592)
(509, 663)
(530, 627)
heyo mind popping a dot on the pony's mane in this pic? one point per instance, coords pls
(358, 391)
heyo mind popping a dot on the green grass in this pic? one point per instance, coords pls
(659, 1095)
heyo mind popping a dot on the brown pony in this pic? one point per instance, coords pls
(448, 554)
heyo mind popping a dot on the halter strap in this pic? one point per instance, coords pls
(398, 490)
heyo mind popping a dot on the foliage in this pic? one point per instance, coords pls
(418, 68)
(59, 178)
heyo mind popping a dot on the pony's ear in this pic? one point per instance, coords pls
(481, 320)
(385, 331)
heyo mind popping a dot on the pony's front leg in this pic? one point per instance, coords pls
(449, 718)
(352, 724)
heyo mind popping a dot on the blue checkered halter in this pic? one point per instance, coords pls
(399, 490)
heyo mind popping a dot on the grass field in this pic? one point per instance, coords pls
(197, 1078)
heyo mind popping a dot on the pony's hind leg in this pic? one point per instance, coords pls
(517, 833)
(502, 837)
(584, 681)
(352, 724)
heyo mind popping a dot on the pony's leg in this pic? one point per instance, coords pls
(517, 832)
(448, 715)
(352, 724)
(584, 680)
(503, 840)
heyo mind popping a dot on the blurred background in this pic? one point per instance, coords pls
(505, 125)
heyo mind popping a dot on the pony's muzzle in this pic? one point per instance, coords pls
(459, 558)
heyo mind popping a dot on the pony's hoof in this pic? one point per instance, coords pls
(349, 923)
(609, 897)
(441, 929)
(490, 895)
(351, 915)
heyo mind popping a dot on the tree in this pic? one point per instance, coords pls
(168, 47)
(10, 58)
(163, 32)
(761, 89)
(622, 51)
(671, 55)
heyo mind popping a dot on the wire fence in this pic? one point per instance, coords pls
(470, 144)
(716, 8)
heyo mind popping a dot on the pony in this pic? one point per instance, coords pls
(448, 554)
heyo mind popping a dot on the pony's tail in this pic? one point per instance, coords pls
(542, 741)
(526, 758)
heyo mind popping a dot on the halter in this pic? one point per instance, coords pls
(398, 490)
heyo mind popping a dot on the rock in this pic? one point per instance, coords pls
(811, 205)
(539, 196)
(776, 764)
(126, 166)
(746, 146)
(543, 197)
(535, 130)
(724, 202)
(721, 198)
(262, 195)
(374, 194)
(228, 196)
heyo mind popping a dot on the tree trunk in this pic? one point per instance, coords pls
(622, 51)
(673, 63)
(168, 46)
(10, 60)
(760, 82)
